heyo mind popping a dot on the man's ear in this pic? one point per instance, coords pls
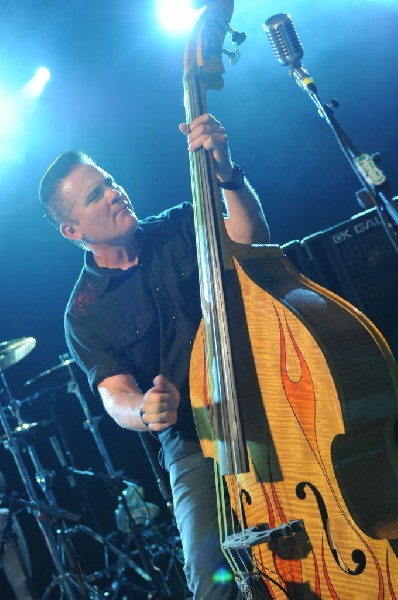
(70, 231)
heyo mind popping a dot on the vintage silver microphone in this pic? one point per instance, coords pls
(287, 48)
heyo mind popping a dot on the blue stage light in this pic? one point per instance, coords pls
(177, 16)
(35, 86)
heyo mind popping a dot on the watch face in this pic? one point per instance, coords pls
(238, 176)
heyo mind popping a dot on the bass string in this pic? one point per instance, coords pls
(217, 342)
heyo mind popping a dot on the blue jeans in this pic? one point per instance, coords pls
(195, 509)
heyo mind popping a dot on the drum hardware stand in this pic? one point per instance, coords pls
(12, 405)
(64, 548)
(37, 395)
(45, 478)
(65, 534)
(62, 453)
(61, 449)
(115, 479)
(149, 572)
(7, 534)
(51, 511)
(170, 548)
(124, 559)
(91, 422)
(64, 456)
(66, 582)
(148, 445)
(161, 587)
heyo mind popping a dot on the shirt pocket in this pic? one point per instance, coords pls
(134, 327)
(182, 272)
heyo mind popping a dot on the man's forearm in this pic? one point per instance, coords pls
(246, 222)
(124, 408)
(130, 408)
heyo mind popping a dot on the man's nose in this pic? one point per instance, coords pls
(115, 196)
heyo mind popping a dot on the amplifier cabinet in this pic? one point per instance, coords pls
(356, 260)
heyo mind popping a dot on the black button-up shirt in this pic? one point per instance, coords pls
(143, 320)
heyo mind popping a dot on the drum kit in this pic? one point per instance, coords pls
(141, 558)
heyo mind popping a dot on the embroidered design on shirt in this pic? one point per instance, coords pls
(82, 300)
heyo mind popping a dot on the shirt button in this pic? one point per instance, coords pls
(173, 317)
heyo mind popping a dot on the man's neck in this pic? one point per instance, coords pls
(121, 256)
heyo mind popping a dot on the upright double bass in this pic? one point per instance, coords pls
(295, 394)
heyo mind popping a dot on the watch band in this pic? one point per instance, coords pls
(237, 179)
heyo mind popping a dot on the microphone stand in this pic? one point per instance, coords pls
(373, 180)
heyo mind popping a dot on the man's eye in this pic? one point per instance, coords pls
(109, 182)
(94, 195)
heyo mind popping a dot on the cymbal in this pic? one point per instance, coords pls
(64, 363)
(13, 351)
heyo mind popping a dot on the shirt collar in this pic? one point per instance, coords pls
(101, 276)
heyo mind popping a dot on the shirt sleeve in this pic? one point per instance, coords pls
(93, 355)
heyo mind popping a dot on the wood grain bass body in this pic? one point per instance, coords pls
(317, 389)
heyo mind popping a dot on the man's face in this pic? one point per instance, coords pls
(101, 213)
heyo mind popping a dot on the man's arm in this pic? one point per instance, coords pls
(130, 408)
(245, 223)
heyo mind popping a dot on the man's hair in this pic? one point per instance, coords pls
(51, 199)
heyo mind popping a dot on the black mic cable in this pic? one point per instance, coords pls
(288, 49)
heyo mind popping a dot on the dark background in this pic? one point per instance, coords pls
(116, 92)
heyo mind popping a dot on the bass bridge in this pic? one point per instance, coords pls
(263, 534)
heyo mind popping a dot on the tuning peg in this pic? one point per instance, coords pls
(233, 56)
(237, 38)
